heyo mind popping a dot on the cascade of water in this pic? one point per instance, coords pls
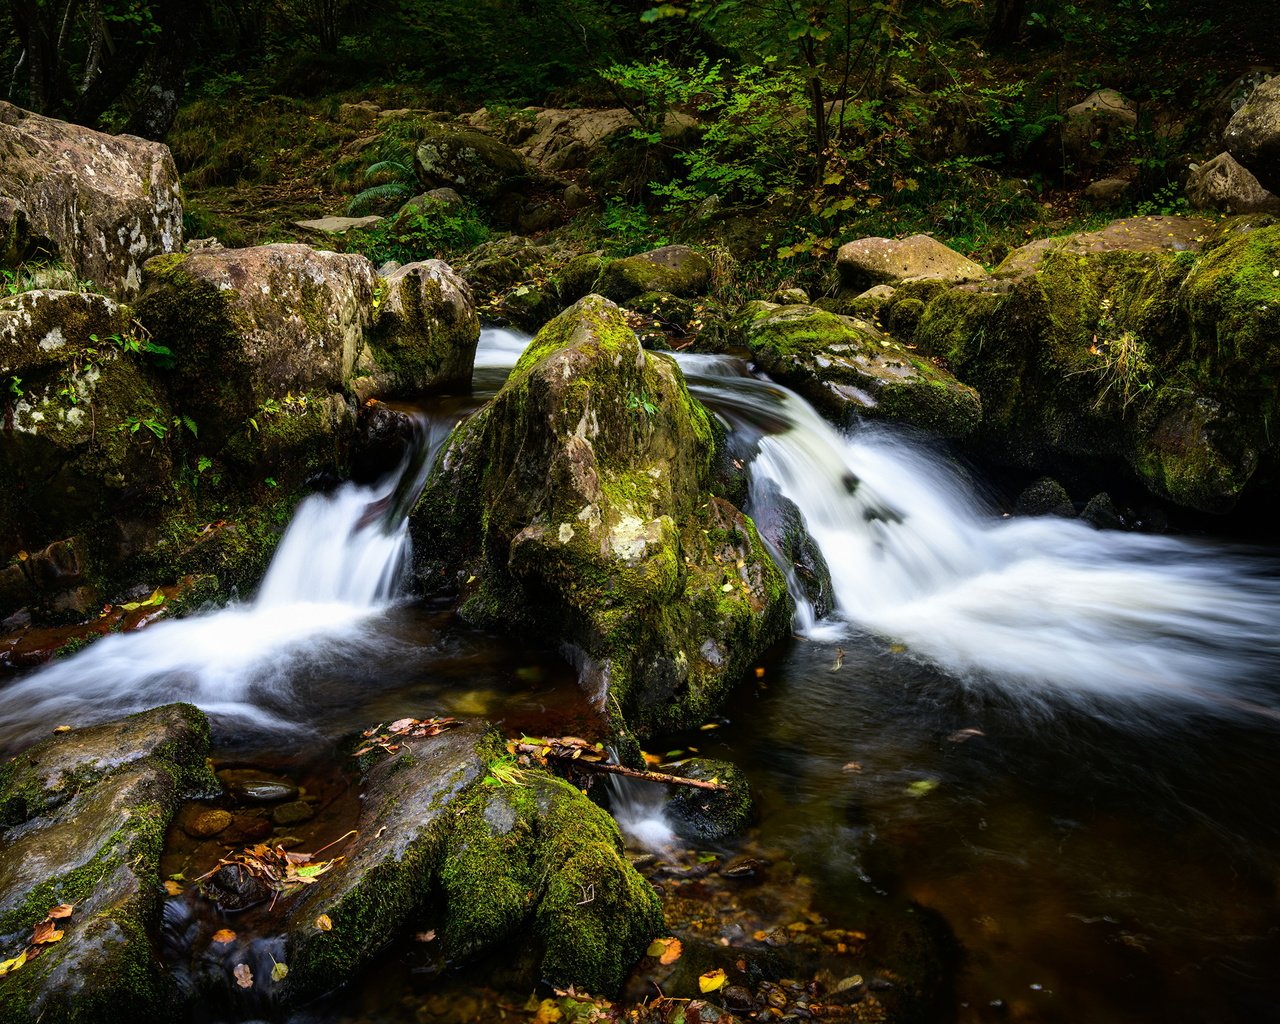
(1028, 602)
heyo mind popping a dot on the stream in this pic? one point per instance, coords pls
(1063, 741)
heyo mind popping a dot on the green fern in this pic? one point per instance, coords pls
(402, 186)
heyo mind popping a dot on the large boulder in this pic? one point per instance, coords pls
(1224, 184)
(576, 505)
(847, 368)
(873, 261)
(1161, 361)
(560, 140)
(487, 862)
(675, 269)
(82, 822)
(104, 204)
(264, 342)
(1129, 234)
(425, 330)
(476, 165)
(1097, 128)
(1253, 134)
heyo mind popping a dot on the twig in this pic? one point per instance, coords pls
(633, 773)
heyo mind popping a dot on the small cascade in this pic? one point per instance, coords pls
(338, 565)
(1026, 603)
(639, 809)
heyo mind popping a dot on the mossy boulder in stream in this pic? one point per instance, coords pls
(1093, 357)
(484, 862)
(82, 820)
(675, 269)
(847, 368)
(577, 507)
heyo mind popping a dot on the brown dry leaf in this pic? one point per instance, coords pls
(173, 888)
(60, 911)
(224, 935)
(852, 766)
(244, 976)
(46, 931)
(429, 936)
(965, 734)
(667, 951)
(712, 981)
(323, 923)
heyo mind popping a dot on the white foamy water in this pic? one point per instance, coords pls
(1028, 603)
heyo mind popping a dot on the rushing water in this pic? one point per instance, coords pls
(1064, 740)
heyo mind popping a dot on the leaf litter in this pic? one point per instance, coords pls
(283, 871)
(391, 738)
(44, 934)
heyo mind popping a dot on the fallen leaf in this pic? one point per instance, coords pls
(46, 931)
(548, 1012)
(712, 981)
(173, 888)
(667, 951)
(223, 935)
(852, 766)
(60, 911)
(62, 728)
(839, 662)
(9, 966)
(428, 936)
(921, 787)
(323, 923)
(244, 976)
(279, 971)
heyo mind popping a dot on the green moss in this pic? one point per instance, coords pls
(711, 816)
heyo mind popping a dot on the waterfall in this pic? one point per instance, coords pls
(1031, 604)
(338, 565)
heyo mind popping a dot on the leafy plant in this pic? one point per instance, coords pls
(434, 230)
(398, 183)
(135, 424)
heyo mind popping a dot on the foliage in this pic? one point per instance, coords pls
(397, 183)
(432, 230)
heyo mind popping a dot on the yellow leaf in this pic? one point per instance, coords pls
(45, 931)
(173, 888)
(9, 966)
(548, 1012)
(62, 728)
(712, 981)
(279, 971)
(324, 923)
(224, 935)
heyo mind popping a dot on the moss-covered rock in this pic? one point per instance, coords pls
(85, 814)
(708, 815)
(493, 268)
(476, 165)
(847, 368)
(675, 269)
(866, 262)
(42, 329)
(577, 505)
(488, 861)
(1155, 359)
(425, 331)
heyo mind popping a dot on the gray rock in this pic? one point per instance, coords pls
(1253, 134)
(104, 203)
(673, 268)
(472, 163)
(1224, 184)
(1107, 191)
(337, 225)
(871, 261)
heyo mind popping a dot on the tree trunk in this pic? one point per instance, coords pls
(1006, 23)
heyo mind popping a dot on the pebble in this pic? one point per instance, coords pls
(207, 824)
(248, 785)
(295, 812)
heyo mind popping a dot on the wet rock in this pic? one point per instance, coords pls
(1045, 497)
(675, 269)
(847, 368)
(205, 824)
(1253, 134)
(706, 815)
(425, 332)
(782, 525)
(496, 861)
(576, 504)
(1101, 512)
(866, 262)
(251, 786)
(83, 820)
(103, 204)
(233, 889)
(295, 812)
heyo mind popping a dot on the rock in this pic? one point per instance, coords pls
(295, 812)
(561, 140)
(1129, 234)
(1151, 358)
(491, 861)
(576, 197)
(673, 268)
(1253, 134)
(83, 817)
(427, 204)
(1107, 191)
(782, 525)
(44, 329)
(337, 225)
(1045, 497)
(871, 261)
(847, 368)
(477, 166)
(253, 786)
(362, 113)
(791, 297)
(710, 816)
(270, 334)
(1094, 130)
(576, 505)
(207, 823)
(1101, 513)
(492, 268)
(425, 331)
(1223, 184)
(104, 203)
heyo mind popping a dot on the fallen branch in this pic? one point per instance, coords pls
(662, 777)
